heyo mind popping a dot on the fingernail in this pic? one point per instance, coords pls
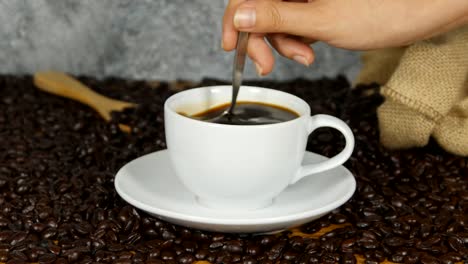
(259, 69)
(301, 59)
(245, 18)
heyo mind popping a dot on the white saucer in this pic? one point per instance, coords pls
(149, 183)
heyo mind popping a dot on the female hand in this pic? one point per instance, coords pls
(291, 26)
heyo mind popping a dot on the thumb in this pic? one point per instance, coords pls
(266, 16)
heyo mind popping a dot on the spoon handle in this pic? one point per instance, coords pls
(61, 84)
(238, 69)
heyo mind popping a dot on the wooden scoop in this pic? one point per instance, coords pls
(61, 84)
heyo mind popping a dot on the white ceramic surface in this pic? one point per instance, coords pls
(232, 167)
(150, 184)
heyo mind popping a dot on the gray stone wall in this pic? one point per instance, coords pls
(135, 39)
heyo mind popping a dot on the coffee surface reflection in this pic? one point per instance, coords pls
(248, 113)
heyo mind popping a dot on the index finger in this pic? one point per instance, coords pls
(229, 35)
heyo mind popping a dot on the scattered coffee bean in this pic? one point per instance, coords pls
(47, 258)
(58, 160)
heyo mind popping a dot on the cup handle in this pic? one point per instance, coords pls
(315, 122)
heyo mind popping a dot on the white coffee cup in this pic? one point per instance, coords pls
(236, 167)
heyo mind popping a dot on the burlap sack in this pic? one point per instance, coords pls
(425, 92)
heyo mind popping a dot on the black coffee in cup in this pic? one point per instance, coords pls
(248, 113)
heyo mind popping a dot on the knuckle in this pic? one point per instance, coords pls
(277, 20)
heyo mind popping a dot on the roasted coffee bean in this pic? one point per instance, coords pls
(348, 244)
(185, 259)
(66, 244)
(16, 261)
(330, 258)
(61, 261)
(60, 158)
(296, 242)
(129, 225)
(131, 238)
(125, 214)
(189, 246)
(233, 246)
(452, 256)
(223, 257)
(123, 261)
(49, 233)
(150, 232)
(115, 247)
(313, 259)
(83, 228)
(34, 253)
(236, 258)
(155, 253)
(4, 223)
(47, 258)
(125, 255)
(446, 260)
(166, 244)
(428, 243)
(18, 238)
(412, 257)
(394, 241)
(266, 240)
(456, 244)
(4, 248)
(276, 250)
(168, 235)
(339, 219)
(427, 259)
(167, 255)
(201, 254)
(370, 245)
(216, 244)
(38, 227)
(201, 236)
(425, 230)
(313, 246)
(111, 236)
(348, 258)
(330, 245)
(177, 249)
(253, 250)
(55, 249)
(139, 257)
(18, 255)
(397, 258)
(101, 256)
(249, 260)
(155, 261)
(290, 255)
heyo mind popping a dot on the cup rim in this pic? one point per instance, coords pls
(177, 95)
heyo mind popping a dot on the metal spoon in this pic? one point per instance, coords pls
(238, 70)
